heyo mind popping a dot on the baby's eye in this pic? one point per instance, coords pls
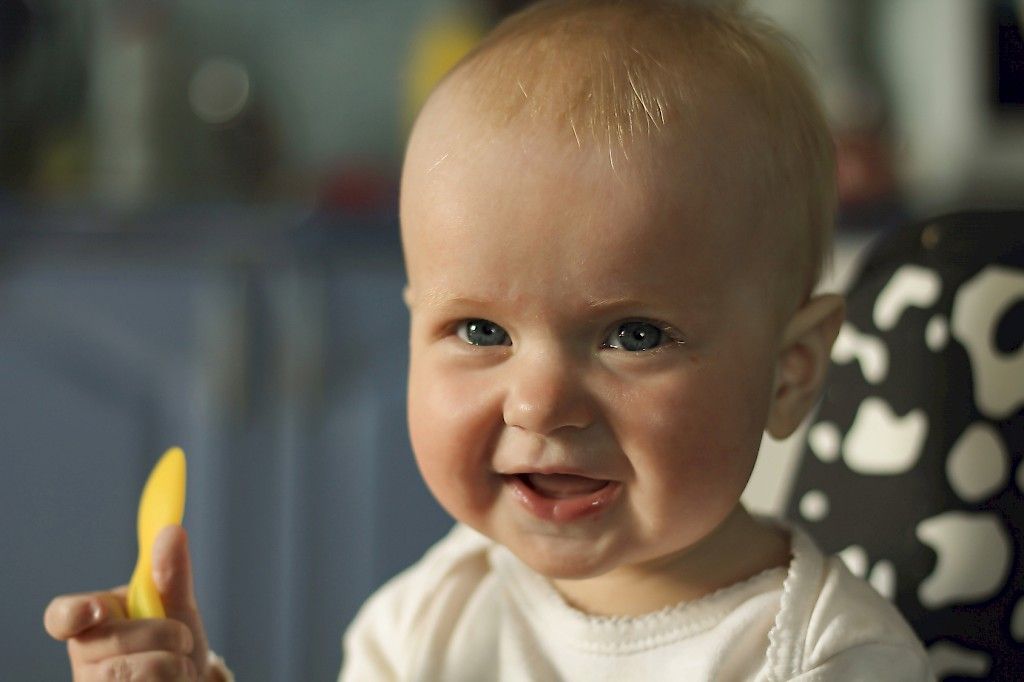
(482, 333)
(635, 336)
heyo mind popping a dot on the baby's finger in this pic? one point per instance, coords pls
(172, 573)
(70, 614)
(150, 666)
(123, 637)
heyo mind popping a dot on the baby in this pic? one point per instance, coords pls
(614, 214)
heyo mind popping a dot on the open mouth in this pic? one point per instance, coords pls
(562, 486)
(562, 498)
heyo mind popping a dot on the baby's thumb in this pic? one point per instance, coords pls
(172, 573)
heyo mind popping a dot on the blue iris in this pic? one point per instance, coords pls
(637, 336)
(483, 333)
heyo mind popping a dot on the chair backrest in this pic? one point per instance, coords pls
(912, 470)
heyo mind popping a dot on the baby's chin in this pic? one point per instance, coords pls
(574, 551)
(558, 557)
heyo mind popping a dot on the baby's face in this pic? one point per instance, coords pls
(592, 357)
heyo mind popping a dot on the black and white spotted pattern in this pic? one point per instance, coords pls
(913, 467)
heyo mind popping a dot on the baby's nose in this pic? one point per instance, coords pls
(547, 391)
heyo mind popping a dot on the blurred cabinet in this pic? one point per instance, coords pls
(273, 348)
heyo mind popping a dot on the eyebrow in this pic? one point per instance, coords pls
(437, 298)
(615, 303)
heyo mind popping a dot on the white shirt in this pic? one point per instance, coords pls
(470, 610)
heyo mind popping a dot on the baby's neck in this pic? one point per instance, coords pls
(740, 548)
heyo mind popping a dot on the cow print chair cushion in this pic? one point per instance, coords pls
(912, 470)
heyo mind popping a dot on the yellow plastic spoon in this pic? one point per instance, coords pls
(162, 504)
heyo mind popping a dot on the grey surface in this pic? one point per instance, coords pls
(273, 349)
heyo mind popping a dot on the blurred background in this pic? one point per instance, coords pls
(199, 246)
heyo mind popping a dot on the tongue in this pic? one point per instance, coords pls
(564, 485)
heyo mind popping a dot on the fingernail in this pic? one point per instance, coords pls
(96, 613)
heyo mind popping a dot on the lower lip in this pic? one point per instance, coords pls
(563, 509)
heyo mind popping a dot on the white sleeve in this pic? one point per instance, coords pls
(872, 663)
(376, 642)
(402, 629)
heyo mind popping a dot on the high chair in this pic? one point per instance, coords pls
(912, 468)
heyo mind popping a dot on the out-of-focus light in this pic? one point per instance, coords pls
(219, 90)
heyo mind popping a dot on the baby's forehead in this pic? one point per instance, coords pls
(648, 87)
(645, 138)
(462, 181)
(453, 133)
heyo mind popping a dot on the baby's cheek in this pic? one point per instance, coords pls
(447, 407)
(448, 428)
(690, 438)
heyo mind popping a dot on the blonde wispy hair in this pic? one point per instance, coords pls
(629, 74)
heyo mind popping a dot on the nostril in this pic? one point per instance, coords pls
(544, 412)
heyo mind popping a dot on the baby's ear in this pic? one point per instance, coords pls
(803, 361)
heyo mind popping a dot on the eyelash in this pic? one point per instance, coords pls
(670, 337)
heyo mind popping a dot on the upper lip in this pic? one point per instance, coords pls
(549, 470)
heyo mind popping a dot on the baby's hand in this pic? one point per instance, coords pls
(103, 644)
